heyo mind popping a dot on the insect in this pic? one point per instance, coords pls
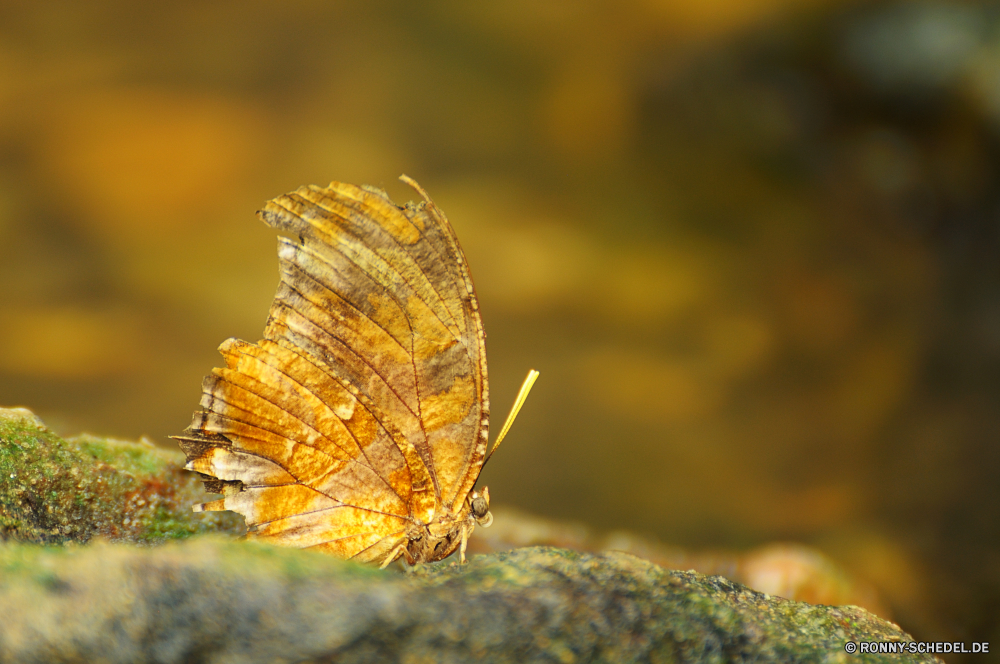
(358, 425)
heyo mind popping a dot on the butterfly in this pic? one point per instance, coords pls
(358, 425)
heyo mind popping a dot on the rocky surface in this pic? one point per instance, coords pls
(788, 569)
(215, 599)
(55, 491)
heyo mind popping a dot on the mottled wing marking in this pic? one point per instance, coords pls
(362, 341)
(365, 407)
(397, 265)
(437, 226)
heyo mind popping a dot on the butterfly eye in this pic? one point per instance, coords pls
(479, 507)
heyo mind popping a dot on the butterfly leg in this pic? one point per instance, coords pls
(395, 553)
(388, 561)
(466, 531)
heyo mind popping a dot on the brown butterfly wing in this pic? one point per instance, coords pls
(365, 407)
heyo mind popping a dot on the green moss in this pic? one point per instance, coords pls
(60, 490)
(296, 564)
(23, 560)
(137, 459)
(163, 523)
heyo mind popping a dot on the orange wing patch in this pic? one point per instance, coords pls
(358, 425)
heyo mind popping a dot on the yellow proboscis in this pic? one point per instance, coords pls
(522, 395)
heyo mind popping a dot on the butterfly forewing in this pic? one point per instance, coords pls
(364, 409)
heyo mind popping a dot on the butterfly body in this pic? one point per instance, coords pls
(358, 425)
(446, 532)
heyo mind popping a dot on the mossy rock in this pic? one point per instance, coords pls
(56, 491)
(216, 599)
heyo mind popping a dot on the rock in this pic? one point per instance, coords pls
(55, 490)
(213, 600)
(73, 490)
(793, 571)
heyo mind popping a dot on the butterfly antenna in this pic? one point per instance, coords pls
(413, 183)
(522, 395)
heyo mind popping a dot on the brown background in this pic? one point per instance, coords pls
(750, 245)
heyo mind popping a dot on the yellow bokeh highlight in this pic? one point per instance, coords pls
(141, 162)
(70, 343)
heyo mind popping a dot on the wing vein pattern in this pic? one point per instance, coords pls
(365, 407)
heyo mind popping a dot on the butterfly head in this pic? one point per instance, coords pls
(480, 504)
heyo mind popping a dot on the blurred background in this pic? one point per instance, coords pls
(751, 245)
